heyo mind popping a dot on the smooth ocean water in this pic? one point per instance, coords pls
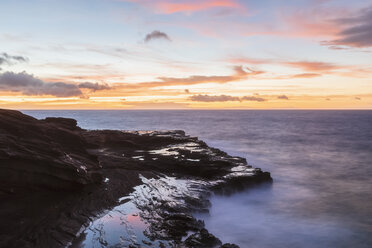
(321, 162)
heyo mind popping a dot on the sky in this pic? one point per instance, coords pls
(178, 54)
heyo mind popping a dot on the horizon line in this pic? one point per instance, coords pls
(188, 109)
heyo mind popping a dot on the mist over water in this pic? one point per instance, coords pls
(321, 162)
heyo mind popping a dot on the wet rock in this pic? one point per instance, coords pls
(202, 239)
(55, 178)
(228, 245)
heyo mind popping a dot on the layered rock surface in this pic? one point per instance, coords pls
(56, 177)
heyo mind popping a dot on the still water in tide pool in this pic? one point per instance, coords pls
(321, 162)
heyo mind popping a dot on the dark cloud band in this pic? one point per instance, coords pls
(27, 84)
(94, 86)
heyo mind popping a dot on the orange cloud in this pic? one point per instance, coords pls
(310, 68)
(306, 75)
(313, 66)
(170, 7)
(240, 73)
(272, 101)
(224, 98)
(294, 76)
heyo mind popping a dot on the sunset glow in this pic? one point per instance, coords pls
(178, 54)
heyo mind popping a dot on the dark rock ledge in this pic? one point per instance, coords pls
(56, 178)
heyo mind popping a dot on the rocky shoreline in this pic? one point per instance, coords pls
(57, 180)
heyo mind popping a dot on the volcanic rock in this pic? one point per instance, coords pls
(56, 177)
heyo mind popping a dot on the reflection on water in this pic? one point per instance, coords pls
(121, 226)
(321, 162)
(139, 220)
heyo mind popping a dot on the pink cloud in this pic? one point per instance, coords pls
(313, 66)
(315, 22)
(311, 23)
(174, 6)
(356, 30)
(308, 66)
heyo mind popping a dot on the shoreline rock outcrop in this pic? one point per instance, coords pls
(56, 177)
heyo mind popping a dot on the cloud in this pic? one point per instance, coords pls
(294, 76)
(27, 84)
(306, 75)
(10, 60)
(309, 69)
(240, 73)
(312, 66)
(207, 98)
(185, 6)
(94, 86)
(310, 22)
(308, 66)
(155, 35)
(224, 98)
(251, 61)
(252, 98)
(317, 69)
(355, 31)
(283, 97)
(358, 98)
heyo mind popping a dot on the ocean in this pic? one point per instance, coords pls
(321, 163)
